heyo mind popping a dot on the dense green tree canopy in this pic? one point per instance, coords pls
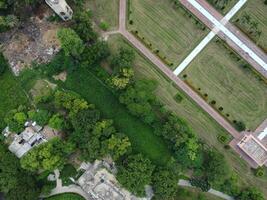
(70, 42)
(251, 193)
(135, 172)
(164, 184)
(47, 156)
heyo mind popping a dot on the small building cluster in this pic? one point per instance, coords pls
(253, 146)
(100, 184)
(32, 136)
(61, 8)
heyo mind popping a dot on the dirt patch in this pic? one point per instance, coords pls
(62, 76)
(33, 41)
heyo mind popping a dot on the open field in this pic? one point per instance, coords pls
(66, 196)
(168, 29)
(204, 126)
(105, 10)
(257, 11)
(141, 135)
(11, 94)
(237, 90)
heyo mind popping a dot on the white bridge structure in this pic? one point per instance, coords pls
(61, 8)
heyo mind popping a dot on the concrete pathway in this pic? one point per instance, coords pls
(186, 183)
(208, 38)
(60, 189)
(168, 72)
(241, 44)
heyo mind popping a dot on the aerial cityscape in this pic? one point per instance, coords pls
(133, 99)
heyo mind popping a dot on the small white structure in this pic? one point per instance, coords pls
(61, 8)
(263, 134)
(27, 139)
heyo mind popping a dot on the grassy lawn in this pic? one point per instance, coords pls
(257, 11)
(141, 135)
(169, 30)
(11, 94)
(237, 90)
(66, 196)
(105, 10)
(204, 126)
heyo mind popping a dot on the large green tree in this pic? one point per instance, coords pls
(47, 156)
(71, 43)
(164, 184)
(135, 172)
(251, 193)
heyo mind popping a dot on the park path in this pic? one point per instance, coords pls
(208, 38)
(165, 69)
(233, 37)
(186, 183)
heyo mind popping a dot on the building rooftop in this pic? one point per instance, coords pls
(254, 149)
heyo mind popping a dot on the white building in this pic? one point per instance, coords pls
(61, 8)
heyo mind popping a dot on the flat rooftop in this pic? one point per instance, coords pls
(254, 149)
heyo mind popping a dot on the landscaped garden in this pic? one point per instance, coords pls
(165, 29)
(252, 20)
(229, 85)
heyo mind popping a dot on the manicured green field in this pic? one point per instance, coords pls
(203, 125)
(66, 196)
(11, 95)
(105, 10)
(168, 29)
(237, 90)
(257, 10)
(141, 135)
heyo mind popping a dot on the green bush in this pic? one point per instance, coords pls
(259, 172)
(104, 25)
(178, 98)
(200, 183)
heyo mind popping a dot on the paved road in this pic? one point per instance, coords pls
(236, 40)
(161, 66)
(208, 38)
(186, 183)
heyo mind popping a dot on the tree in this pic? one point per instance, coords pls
(56, 122)
(251, 193)
(122, 79)
(124, 58)
(118, 146)
(134, 173)
(94, 54)
(164, 184)
(71, 43)
(140, 99)
(47, 156)
(216, 167)
(40, 116)
(83, 26)
(70, 101)
(15, 120)
(3, 64)
(14, 181)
